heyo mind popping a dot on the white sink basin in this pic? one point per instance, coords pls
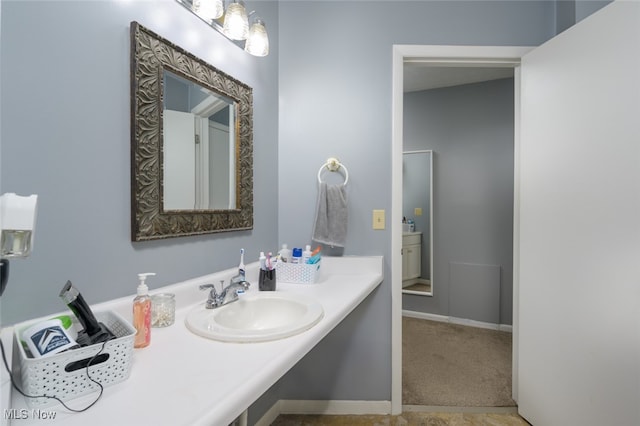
(256, 317)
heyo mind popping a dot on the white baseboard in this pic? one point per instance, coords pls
(506, 327)
(459, 321)
(270, 416)
(292, 406)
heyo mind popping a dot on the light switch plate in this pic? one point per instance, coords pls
(378, 219)
(417, 211)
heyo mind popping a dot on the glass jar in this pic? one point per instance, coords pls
(163, 309)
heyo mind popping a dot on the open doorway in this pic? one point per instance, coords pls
(456, 58)
(457, 343)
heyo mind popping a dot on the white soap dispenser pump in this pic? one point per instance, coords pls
(142, 313)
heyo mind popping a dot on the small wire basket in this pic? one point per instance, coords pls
(298, 273)
(64, 375)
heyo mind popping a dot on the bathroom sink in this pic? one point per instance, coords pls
(256, 317)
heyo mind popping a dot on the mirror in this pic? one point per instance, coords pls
(417, 212)
(199, 147)
(191, 143)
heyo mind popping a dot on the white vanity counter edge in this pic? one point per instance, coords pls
(184, 379)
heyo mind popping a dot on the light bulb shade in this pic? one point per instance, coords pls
(208, 9)
(236, 22)
(258, 41)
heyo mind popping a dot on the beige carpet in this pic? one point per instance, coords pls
(453, 365)
(405, 419)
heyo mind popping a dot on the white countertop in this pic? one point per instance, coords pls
(184, 379)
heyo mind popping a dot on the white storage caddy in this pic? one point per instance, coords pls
(64, 375)
(298, 273)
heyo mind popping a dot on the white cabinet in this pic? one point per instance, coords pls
(411, 255)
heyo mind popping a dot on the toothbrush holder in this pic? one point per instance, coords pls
(267, 280)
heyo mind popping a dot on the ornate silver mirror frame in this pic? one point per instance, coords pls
(150, 56)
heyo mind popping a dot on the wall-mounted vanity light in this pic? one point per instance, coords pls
(236, 22)
(258, 41)
(232, 23)
(208, 9)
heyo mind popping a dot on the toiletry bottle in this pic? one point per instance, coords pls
(306, 254)
(263, 261)
(142, 313)
(285, 254)
(296, 256)
(48, 338)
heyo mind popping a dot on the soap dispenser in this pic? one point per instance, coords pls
(142, 313)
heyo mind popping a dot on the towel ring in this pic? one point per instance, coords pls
(333, 165)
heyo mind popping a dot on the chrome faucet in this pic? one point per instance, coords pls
(227, 295)
(237, 279)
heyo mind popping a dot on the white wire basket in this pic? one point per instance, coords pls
(64, 375)
(297, 273)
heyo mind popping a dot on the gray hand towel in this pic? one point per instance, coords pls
(330, 227)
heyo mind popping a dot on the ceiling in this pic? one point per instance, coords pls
(425, 76)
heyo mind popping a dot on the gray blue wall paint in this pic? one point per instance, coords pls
(565, 15)
(569, 12)
(470, 129)
(65, 136)
(325, 90)
(335, 100)
(585, 8)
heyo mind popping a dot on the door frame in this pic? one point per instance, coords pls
(441, 55)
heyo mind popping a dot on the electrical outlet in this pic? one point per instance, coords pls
(378, 219)
(417, 211)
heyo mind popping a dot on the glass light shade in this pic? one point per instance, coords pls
(208, 9)
(236, 22)
(258, 40)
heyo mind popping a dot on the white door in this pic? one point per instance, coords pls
(179, 160)
(220, 162)
(579, 315)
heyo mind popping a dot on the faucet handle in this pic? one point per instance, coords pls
(208, 286)
(212, 300)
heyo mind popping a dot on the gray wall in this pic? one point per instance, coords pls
(335, 100)
(569, 12)
(325, 90)
(65, 136)
(585, 8)
(470, 128)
